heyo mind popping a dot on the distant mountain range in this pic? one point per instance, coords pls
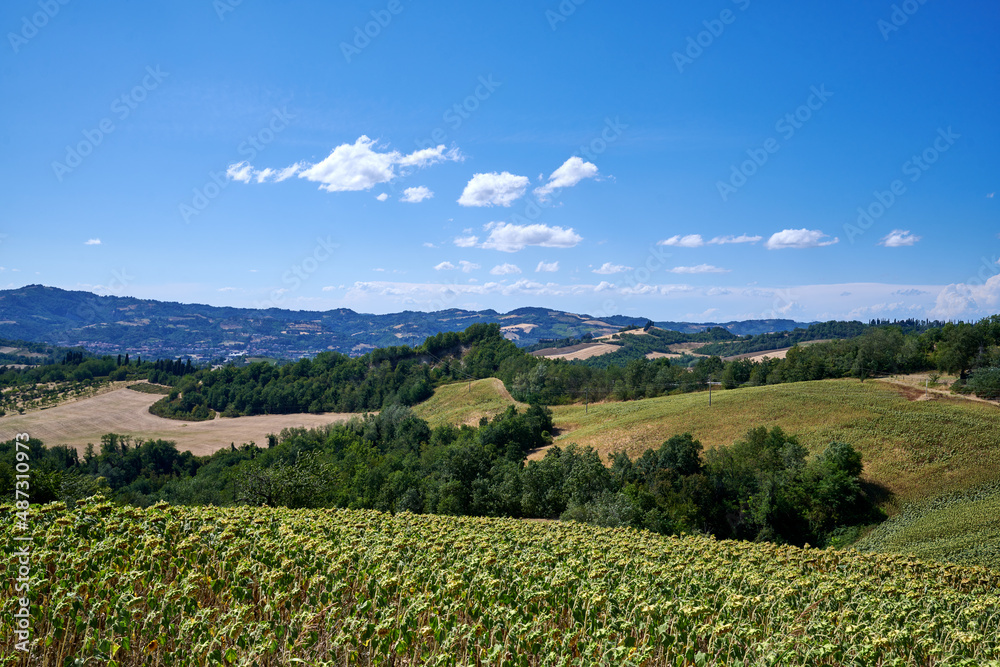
(112, 324)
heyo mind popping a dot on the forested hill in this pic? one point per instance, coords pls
(152, 329)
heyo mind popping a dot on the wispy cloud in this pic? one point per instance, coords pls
(799, 238)
(349, 167)
(382, 197)
(569, 174)
(416, 195)
(701, 268)
(547, 267)
(608, 269)
(742, 238)
(508, 237)
(444, 266)
(493, 189)
(689, 241)
(505, 269)
(468, 267)
(92, 242)
(899, 238)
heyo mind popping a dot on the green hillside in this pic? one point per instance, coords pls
(258, 586)
(914, 448)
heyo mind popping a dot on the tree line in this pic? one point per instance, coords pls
(764, 487)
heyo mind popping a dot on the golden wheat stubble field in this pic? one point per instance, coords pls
(127, 412)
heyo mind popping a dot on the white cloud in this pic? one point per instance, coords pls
(965, 300)
(468, 267)
(742, 238)
(608, 268)
(349, 167)
(493, 189)
(467, 241)
(444, 266)
(92, 242)
(569, 174)
(799, 238)
(689, 241)
(547, 267)
(898, 238)
(227, 289)
(240, 171)
(508, 237)
(383, 196)
(701, 268)
(428, 244)
(416, 195)
(604, 286)
(505, 269)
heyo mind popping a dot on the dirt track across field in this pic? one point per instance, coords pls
(127, 412)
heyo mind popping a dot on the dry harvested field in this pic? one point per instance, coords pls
(662, 355)
(127, 412)
(581, 351)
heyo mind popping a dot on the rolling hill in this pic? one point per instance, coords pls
(111, 324)
(915, 449)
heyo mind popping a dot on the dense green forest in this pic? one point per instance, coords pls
(762, 487)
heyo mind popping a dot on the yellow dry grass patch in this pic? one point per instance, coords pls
(457, 404)
(127, 412)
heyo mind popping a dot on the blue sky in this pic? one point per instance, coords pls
(723, 160)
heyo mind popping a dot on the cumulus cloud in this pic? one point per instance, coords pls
(349, 167)
(92, 242)
(467, 267)
(467, 241)
(505, 269)
(508, 237)
(608, 269)
(493, 189)
(899, 238)
(383, 196)
(701, 268)
(964, 300)
(547, 267)
(742, 238)
(569, 174)
(799, 238)
(689, 241)
(416, 195)
(444, 266)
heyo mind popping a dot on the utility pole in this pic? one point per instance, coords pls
(710, 383)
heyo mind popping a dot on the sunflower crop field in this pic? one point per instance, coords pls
(168, 585)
